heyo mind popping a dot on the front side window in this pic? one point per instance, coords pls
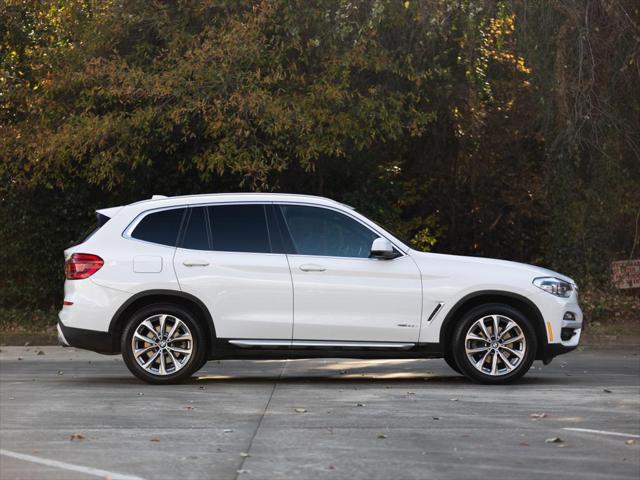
(239, 228)
(324, 232)
(160, 227)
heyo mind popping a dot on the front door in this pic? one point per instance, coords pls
(231, 268)
(340, 294)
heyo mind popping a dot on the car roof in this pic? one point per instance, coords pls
(162, 201)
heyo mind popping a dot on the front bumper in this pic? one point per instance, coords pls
(101, 342)
(552, 350)
(563, 321)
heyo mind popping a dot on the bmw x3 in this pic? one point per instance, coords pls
(171, 283)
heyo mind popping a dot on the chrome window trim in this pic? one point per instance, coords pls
(138, 218)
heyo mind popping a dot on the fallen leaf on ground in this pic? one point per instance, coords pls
(228, 430)
(382, 435)
(538, 415)
(77, 436)
(606, 390)
(300, 410)
(189, 407)
(154, 440)
(453, 399)
(40, 352)
(242, 470)
(244, 454)
(630, 442)
(60, 372)
(436, 418)
(360, 404)
(524, 444)
(553, 440)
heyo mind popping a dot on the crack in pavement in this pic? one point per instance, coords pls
(264, 411)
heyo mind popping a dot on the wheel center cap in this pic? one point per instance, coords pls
(495, 345)
(163, 344)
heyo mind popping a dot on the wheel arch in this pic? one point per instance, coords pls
(475, 299)
(149, 297)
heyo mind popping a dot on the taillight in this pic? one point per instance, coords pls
(82, 265)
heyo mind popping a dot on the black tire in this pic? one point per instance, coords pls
(202, 363)
(198, 343)
(448, 357)
(507, 312)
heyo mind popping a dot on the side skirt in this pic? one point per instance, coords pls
(254, 349)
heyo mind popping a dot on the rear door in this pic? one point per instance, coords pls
(226, 259)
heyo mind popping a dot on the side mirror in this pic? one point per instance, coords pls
(382, 249)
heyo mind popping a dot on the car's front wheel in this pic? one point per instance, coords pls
(163, 343)
(494, 343)
(448, 358)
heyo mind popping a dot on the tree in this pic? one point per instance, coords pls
(454, 123)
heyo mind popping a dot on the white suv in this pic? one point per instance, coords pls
(173, 282)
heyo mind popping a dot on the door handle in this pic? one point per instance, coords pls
(195, 263)
(310, 267)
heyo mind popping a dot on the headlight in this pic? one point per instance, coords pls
(554, 286)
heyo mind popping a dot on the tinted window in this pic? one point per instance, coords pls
(320, 231)
(90, 232)
(280, 239)
(239, 228)
(160, 227)
(196, 235)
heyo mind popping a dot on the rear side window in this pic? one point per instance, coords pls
(196, 234)
(160, 227)
(239, 228)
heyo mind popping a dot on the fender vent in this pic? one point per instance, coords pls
(435, 311)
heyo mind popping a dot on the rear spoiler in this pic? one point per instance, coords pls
(109, 212)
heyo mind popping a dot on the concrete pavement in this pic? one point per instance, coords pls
(333, 419)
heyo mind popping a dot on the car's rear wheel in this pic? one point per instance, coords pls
(163, 343)
(494, 344)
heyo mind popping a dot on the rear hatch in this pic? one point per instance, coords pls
(102, 217)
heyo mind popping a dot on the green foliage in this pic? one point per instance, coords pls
(440, 120)
(21, 321)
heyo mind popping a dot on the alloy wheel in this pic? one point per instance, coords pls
(495, 345)
(162, 344)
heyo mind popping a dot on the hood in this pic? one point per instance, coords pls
(531, 270)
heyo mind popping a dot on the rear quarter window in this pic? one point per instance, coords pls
(91, 231)
(160, 227)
